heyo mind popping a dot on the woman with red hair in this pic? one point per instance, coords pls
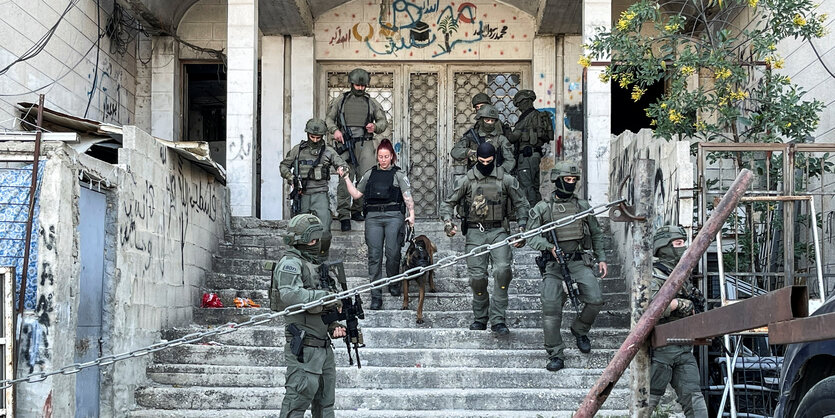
(388, 197)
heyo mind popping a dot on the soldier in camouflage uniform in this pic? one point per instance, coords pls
(486, 129)
(484, 195)
(481, 99)
(533, 130)
(356, 113)
(674, 364)
(311, 162)
(576, 240)
(311, 377)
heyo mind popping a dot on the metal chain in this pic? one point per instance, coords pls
(301, 307)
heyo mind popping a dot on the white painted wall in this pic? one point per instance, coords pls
(806, 70)
(272, 126)
(598, 107)
(66, 70)
(204, 25)
(166, 120)
(241, 96)
(302, 85)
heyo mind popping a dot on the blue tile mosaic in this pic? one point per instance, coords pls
(14, 210)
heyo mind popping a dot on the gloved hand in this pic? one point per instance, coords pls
(471, 155)
(449, 228)
(521, 243)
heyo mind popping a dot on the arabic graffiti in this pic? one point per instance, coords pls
(406, 25)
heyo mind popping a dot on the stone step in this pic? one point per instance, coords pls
(369, 377)
(519, 284)
(454, 338)
(432, 319)
(438, 301)
(231, 355)
(447, 413)
(385, 399)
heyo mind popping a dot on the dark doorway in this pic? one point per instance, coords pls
(205, 104)
(628, 114)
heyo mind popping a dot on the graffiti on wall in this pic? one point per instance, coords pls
(106, 89)
(155, 222)
(401, 27)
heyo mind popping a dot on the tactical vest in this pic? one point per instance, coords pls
(357, 110)
(308, 159)
(487, 197)
(573, 231)
(381, 188)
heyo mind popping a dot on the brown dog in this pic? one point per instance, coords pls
(419, 254)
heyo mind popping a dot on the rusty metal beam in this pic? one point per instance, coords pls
(813, 328)
(780, 305)
(604, 385)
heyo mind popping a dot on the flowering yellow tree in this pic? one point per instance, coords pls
(740, 95)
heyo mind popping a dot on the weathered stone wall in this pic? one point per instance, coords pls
(165, 217)
(72, 70)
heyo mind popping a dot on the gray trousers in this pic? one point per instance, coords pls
(318, 205)
(483, 310)
(553, 299)
(383, 232)
(366, 152)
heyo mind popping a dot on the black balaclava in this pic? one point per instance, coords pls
(486, 150)
(486, 127)
(315, 145)
(524, 105)
(357, 92)
(563, 189)
(669, 255)
(311, 252)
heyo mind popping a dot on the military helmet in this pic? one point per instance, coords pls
(523, 95)
(481, 98)
(565, 168)
(359, 77)
(302, 229)
(667, 234)
(487, 111)
(316, 127)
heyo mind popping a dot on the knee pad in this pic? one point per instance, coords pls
(479, 285)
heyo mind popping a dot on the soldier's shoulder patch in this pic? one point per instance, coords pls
(290, 267)
(533, 214)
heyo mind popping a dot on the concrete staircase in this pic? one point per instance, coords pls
(436, 369)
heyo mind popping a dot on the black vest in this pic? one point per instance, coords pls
(381, 188)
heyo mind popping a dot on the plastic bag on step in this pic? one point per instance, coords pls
(245, 303)
(211, 300)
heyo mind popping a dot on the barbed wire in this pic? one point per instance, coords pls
(259, 319)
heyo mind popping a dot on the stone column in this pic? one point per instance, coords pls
(302, 85)
(544, 81)
(165, 89)
(597, 103)
(241, 96)
(272, 126)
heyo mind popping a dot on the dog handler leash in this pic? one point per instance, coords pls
(300, 307)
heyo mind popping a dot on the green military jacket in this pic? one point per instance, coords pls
(375, 111)
(314, 178)
(583, 234)
(509, 187)
(535, 130)
(659, 277)
(296, 280)
(460, 151)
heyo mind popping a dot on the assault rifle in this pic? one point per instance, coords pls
(694, 295)
(296, 192)
(351, 313)
(568, 284)
(349, 141)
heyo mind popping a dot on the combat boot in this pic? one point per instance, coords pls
(345, 225)
(376, 300)
(500, 329)
(478, 326)
(357, 216)
(395, 289)
(555, 364)
(583, 342)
